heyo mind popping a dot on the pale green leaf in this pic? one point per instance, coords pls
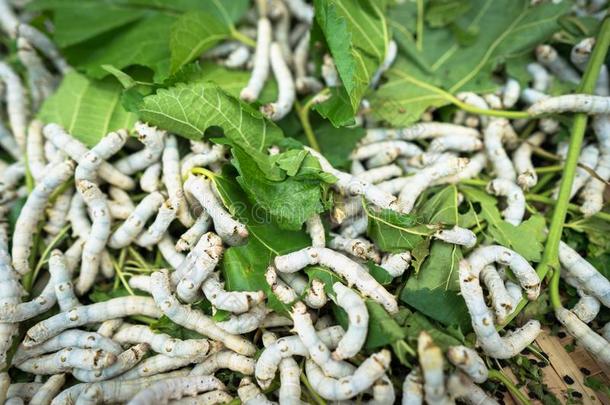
(87, 109)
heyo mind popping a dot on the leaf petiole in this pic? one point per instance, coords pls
(512, 388)
(238, 36)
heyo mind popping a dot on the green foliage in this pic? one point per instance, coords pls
(413, 323)
(451, 60)
(88, 109)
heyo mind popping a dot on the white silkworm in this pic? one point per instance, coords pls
(57, 214)
(355, 226)
(215, 397)
(583, 103)
(548, 56)
(238, 58)
(329, 72)
(191, 318)
(501, 299)
(124, 361)
(169, 253)
(316, 231)
(351, 185)
(510, 93)
(482, 320)
(61, 277)
(202, 159)
(431, 362)
(368, 150)
(175, 388)
(390, 56)
(32, 212)
(120, 206)
(228, 228)
(159, 363)
(97, 238)
(160, 342)
(469, 361)
(580, 54)
(284, 292)
(317, 350)
(43, 44)
(71, 338)
(500, 161)
(224, 359)
(192, 235)
(289, 346)
(381, 173)
(531, 96)
(396, 263)
(77, 216)
(594, 343)
(540, 76)
(522, 161)
(16, 104)
(592, 193)
(314, 296)
(474, 166)
(457, 236)
(149, 182)
(360, 248)
(10, 179)
(424, 178)
(260, 70)
(462, 387)
(35, 150)
(246, 322)
(353, 272)
(347, 387)
(413, 389)
(208, 252)
(358, 317)
(515, 199)
(605, 331)
(153, 140)
(154, 233)
(129, 230)
(290, 384)
(286, 90)
(250, 394)
(23, 391)
(457, 143)
(67, 359)
(591, 281)
(173, 180)
(21, 311)
(301, 10)
(589, 157)
(233, 301)
(304, 83)
(8, 142)
(587, 308)
(49, 390)
(10, 293)
(40, 81)
(113, 308)
(421, 130)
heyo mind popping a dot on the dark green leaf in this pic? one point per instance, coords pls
(414, 323)
(383, 330)
(379, 273)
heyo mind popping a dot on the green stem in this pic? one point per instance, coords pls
(319, 400)
(244, 39)
(550, 257)
(419, 44)
(303, 114)
(515, 392)
(549, 169)
(43, 258)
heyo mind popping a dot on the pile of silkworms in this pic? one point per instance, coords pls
(142, 196)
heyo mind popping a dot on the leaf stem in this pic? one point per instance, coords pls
(419, 44)
(303, 114)
(498, 376)
(29, 281)
(244, 39)
(313, 392)
(550, 257)
(549, 169)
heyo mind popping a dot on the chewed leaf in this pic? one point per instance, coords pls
(87, 109)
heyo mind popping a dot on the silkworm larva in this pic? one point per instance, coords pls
(202, 159)
(246, 322)
(260, 70)
(587, 308)
(368, 150)
(364, 377)
(469, 361)
(176, 388)
(301, 10)
(314, 296)
(7, 141)
(379, 174)
(32, 212)
(515, 199)
(353, 272)
(360, 248)
(522, 161)
(238, 58)
(16, 104)
(149, 182)
(541, 78)
(283, 291)
(413, 389)
(583, 103)
(224, 359)
(390, 56)
(124, 361)
(57, 213)
(464, 389)
(594, 343)
(431, 363)
(548, 56)
(89, 163)
(23, 391)
(421, 130)
(156, 364)
(500, 161)
(501, 299)
(67, 359)
(209, 251)
(40, 81)
(129, 230)
(49, 390)
(358, 316)
(215, 397)
(233, 301)
(173, 181)
(78, 218)
(456, 143)
(250, 394)
(113, 308)
(329, 72)
(41, 42)
(286, 90)
(10, 293)
(316, 231)
(35, 150)
(593, 192)
(457, 236)
(154, 233)
(304, 82)
(169, 253)
(153, 140)
(62, 279)
(510, 93)
(396, 263)
(191, 318)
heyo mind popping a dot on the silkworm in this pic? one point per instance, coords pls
(49, 390)
(289, 346)
(548, 56)
(250, 394)
(202, 159)
(329, 72)
(510, 93)
(164, 390)
(35, 150)
(390, 55)
(286, 88)
(149, 182)
(468, 361)
(283, 291)
(351, 185)
(224, 359)
(159, 363)
(209, 251)
(457, 236)
(153, 140)
(413, 388)
(587, 308)
(57, 213)
(501, 299)
(32, 212)
(40, 81)
(301, 10)
(583, 103)
(347, 387)
(522, 161)
(353, 272)
(229, 229)
(419, 131)
(191, 318)
(591, 341)
(76, 150)
(246, 322)
(358, 317)
(314, 296)
(90, 162)
(466, 390)
(61, 277)
(173, 181)
(541, 78)
(120, 206)
(43, 44)
(396, 263)
(356, 247)
(238, 58)
(154, 233)
(124, 361)
(493, 135)
(431, 363)
(67, 359)
(515, 199)
(304, 83)
(7, 141)
(456, 143)
(368, 150)
(16, 104)
(113, 308)
(260, 69)
(424, 178)
(316, 231)
(215, 397)
(233, 301)
(169, 253)
(129, 230)
(10, 293)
